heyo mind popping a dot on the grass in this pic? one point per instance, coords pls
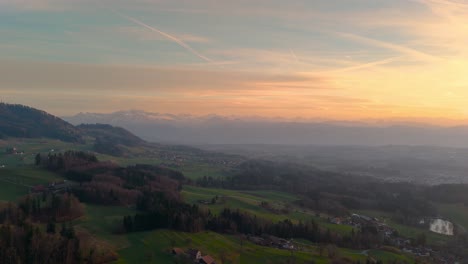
(31, 147)
(102, 221)
(388, 257)
(236, 200)
(154, 247)
(191, 170)
(249, 201)
(192, 167)
(457, 213)
(14, 181)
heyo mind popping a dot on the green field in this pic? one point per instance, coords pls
(154, 246)
(30, 147)
(102, 221)
(388, 257)
(242, 200)
(192, 167)
(14, 182)
(457, 213)
(249, 201)
(191, 170)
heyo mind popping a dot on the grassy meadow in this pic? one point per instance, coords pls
(154, 246)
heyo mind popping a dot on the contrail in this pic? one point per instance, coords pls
(387, 45)
(293, 54)
(168, 36)
(367, 65)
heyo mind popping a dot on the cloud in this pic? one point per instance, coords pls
(144, 34)
(166, 35)
(360, 66)
(117, 87)
(391, 46)
(58, 77)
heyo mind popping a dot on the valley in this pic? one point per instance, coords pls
(139, 200)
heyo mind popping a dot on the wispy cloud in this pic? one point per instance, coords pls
(360, 66)
(145, 34)
(166, 35)
(293, 54)
(351, 58)
(391, 46)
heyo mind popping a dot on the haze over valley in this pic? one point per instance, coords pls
(218, 129)
(233, 132)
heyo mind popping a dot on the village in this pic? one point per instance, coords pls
(53, 187)
(390, 237)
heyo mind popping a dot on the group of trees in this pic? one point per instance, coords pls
(23, 240)
(335, 193)
(158, 211)
(25, 244)
(49, 206)
(108, 184)
(161, 211)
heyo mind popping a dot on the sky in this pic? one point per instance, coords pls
(317, 59)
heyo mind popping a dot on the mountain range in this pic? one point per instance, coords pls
(215, 129)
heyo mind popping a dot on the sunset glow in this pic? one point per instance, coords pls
(338, 60)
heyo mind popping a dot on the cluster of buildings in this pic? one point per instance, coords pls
(436, 256)
(53, 187)
(14, 151)
(177, 158)
(392, 239)
(195, 255)
(272, 241)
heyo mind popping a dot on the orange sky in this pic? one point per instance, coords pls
(402, 60)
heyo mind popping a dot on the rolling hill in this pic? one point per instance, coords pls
(26, 122)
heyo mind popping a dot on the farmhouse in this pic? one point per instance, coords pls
(11, 151)
(178, 251)
(207, 260)
(38, 189)
(60, 186)
(194, 254)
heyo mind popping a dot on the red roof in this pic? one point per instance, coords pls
(38, 188)
(207, 259)
(177, 251)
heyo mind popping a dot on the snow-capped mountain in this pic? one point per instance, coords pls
(216, 129)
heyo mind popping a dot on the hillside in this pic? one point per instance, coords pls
(117, 135)
(26, 122)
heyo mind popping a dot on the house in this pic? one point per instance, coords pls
(61, 186)
(178, 251)
(11, 151)
(258, 240)
(336, 221)
(38, 189)
(207, 260)
(194, 254)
